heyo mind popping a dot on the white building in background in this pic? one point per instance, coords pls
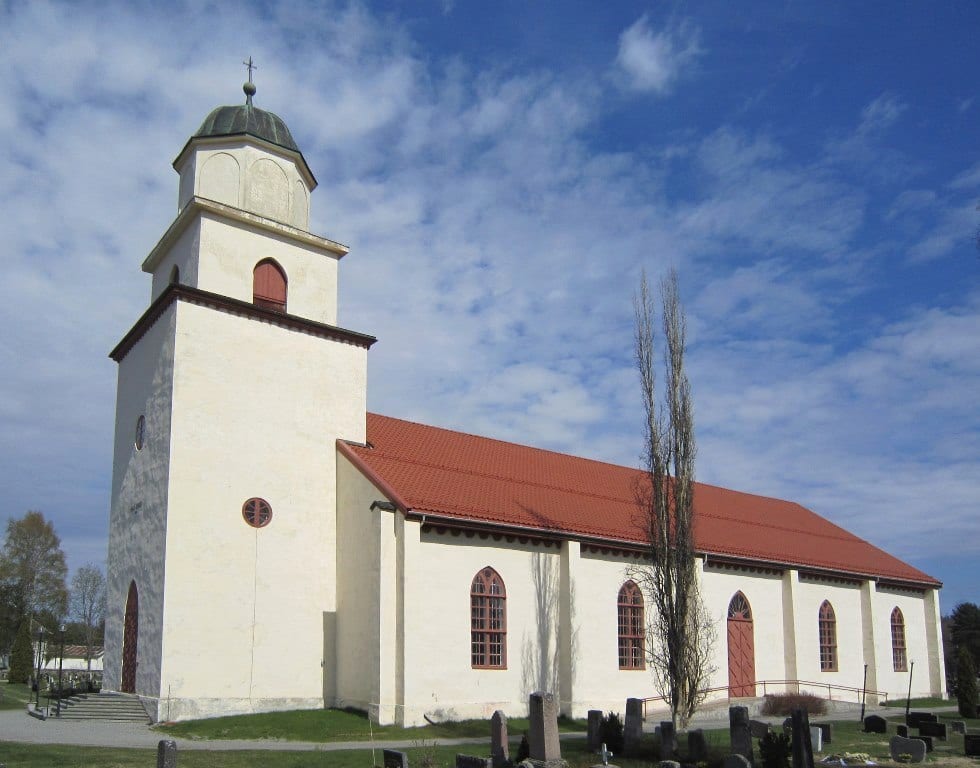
(274, 546)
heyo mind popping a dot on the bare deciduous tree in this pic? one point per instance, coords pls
(680, 633)
(88, 604)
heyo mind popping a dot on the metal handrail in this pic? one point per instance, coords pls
(798, 684)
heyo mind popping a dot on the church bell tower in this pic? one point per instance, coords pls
(234, 386)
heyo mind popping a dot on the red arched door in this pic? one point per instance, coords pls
(741, 648)
(131, 631)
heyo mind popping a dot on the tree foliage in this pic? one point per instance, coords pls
(966, 683)
(88, 605)
(22, 654)
(680, 634)
(965, 629)
(32, 570)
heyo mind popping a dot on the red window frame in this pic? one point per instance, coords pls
(900, 659)
(828, 637)
(631, 627)
(269, 286)
(488, 620)
(257, 512)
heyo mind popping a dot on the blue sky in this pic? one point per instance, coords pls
(503, 172)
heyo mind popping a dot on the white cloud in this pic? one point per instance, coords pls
(654, 61)
(881, 113)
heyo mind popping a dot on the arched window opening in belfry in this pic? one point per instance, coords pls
(269, 286)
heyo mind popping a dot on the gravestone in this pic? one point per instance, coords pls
(392, 758)
(499, 749)
(875, 724)
(926, 739)
(758, 728)
(543, 731)
(902, 730)
(668, 764)
(595, 725)
(668, 739)
(958, 726)
(802, 745)
(899, 747)
(788, 725)
(828, 732)
(697, 746)
(741, 736)
(971, 744)
(633, 725)
(736, 761)
(167, 754)
(914, 719)
(936, 730)
(816, 738)
(469, 761)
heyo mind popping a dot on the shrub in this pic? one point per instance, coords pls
(966, 683)
(775, 749)
(611, 733)
(785, 703)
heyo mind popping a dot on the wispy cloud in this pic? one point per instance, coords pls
(654, 61)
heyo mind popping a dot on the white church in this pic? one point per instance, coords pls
(273, 545)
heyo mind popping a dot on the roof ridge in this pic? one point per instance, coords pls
(561, 454)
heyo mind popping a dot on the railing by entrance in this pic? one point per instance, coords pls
(844, 692)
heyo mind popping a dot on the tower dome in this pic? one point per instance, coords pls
(247, 119)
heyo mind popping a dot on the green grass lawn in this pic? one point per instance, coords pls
(323, 725)
(921, 704)
(14, 696)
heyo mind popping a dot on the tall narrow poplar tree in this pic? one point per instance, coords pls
(680, 634)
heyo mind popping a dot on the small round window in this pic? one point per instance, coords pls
(257, 512)
(140, 432)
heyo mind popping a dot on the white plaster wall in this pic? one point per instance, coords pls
(597, 680)
(230, 250)
(913, 608)
(137, 518)
(256, 179)
(183, 255)
(439, 678)
(764, 593)
(846, 601)
(359, 617)
(257, 410)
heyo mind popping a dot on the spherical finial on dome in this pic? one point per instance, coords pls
(249, 89)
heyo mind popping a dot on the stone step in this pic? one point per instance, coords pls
(103, 706)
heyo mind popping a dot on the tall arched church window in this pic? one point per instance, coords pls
(632, 627)
(899, 657)
(828, 638)
(488, 621)
(269, 286)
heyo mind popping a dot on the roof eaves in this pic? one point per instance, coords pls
(365, 469)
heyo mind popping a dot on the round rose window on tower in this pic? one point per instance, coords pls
(257, 512)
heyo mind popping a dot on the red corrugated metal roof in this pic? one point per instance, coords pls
(466, 477)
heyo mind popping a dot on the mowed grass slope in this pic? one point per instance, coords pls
(327, 725)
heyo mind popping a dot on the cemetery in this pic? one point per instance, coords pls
(936, 736)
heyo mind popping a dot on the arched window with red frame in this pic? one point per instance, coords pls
(632, 627)
(488, 621)
(900, 662)
(269, 286)
(828, 637)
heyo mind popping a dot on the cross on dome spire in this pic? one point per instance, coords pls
(249, 87)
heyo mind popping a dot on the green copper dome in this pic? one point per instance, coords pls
(247, 119)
